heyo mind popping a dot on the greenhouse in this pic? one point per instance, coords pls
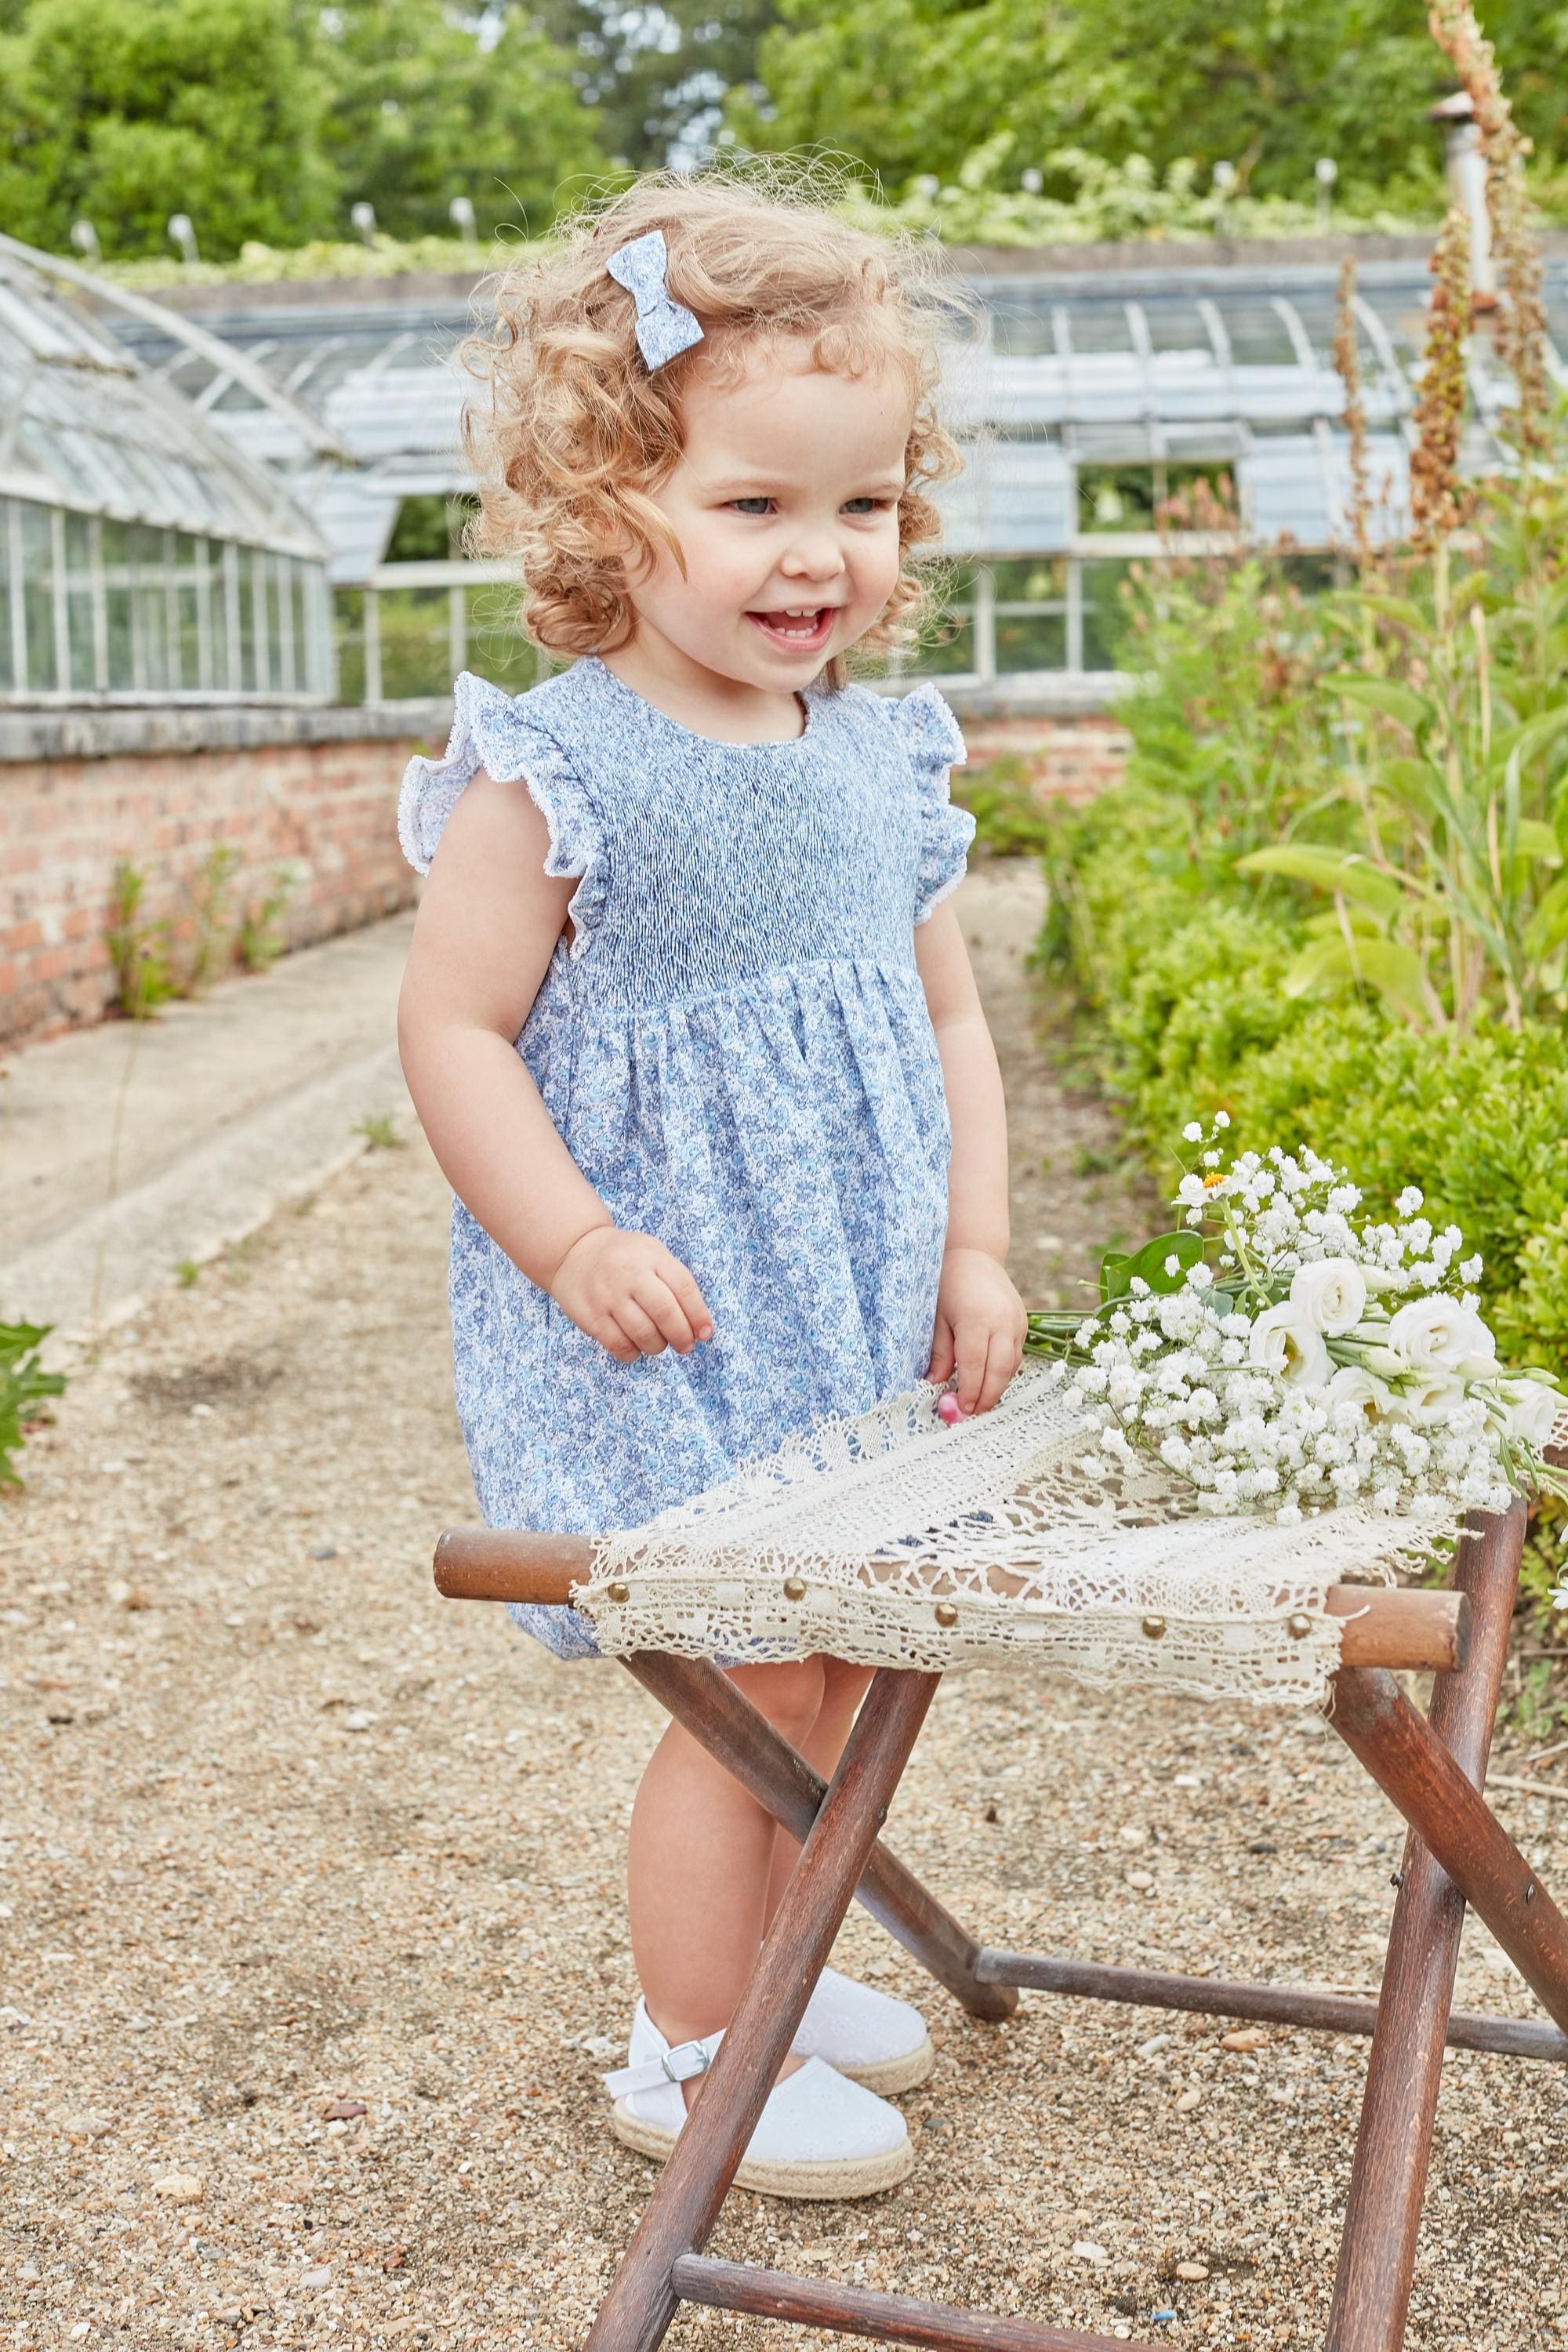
(142, 556)
(1089, 399)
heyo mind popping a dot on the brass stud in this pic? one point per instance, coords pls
(794, 1588)
(1299, 1626)
(618, 1592)
(1154, 1627)
(946, 1613)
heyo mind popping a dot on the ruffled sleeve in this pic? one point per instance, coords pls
(931, 736)
(493, 729)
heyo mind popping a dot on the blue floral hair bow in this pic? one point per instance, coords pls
(664, 328)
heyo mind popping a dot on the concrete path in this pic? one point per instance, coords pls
(126, 1150)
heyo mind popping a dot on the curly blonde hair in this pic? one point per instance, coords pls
(577, 435)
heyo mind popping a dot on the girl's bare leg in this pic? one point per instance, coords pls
(843, 1688)
(700, 1861)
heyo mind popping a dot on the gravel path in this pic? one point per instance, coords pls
(283, 1832)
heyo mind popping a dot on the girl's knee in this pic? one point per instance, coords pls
(790, 1695)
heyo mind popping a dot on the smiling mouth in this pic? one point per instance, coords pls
(804, 630)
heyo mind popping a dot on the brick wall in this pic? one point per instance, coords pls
(1071, 756)
(315, 790)
(326, 807)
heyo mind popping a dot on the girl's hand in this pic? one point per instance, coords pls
(629, 1292)
(980, 1329)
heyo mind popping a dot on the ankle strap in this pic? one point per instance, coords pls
(678, 2066)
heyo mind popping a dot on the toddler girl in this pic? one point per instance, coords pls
(687, 1018)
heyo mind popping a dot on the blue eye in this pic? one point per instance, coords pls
(752, 506)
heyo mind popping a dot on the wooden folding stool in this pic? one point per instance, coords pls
(1433, 1770)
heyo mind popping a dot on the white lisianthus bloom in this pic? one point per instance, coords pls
(1533, 1407)
(1438, 1335)
(1353, 1384)
(1427, 1396)
(1330, 1294)
(1284, 1342)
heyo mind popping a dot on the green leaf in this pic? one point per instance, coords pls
(1533, 736)
(1149, 1264)
(1328, 869)
(1549, 924)
(1392, 608)
(1394, 973)
(1412, 711)
(1330, 924)
(1534, 839)
(1115, 1274)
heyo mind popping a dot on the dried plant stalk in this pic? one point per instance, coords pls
(1521, 324)
(1436, 506)
(1347, 362)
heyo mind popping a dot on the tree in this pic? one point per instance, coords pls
(426, 105)
(128, 114)
(658, 77)
(917, 86)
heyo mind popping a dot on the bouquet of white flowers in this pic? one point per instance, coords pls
(1280, 1356)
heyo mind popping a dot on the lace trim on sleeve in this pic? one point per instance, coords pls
(491, 729)
(934, 745)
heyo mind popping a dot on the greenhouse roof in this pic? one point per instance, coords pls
(1168, 366)
(86, 426)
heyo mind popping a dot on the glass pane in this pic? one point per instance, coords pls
(302, 679)
(1099, 327)
(151, 620)
(116, 547)
(413, 643)
(79, 624)
(1031, 641)
(946, 646)
(252, 621)
(1030, 580)
(188, 626)
(1022, 329)
(497, 648)
(122, 670)
(37, 594)
(218, 588)
(1104, 622)
(8, 678)
(79, 545)
(276, 587)
(347, 628)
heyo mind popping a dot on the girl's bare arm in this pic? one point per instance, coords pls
(486, 930)
(980, 1320)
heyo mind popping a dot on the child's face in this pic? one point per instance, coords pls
(785, 504)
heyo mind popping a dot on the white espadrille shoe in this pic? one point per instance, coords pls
(819, 2135)
(876, 2041)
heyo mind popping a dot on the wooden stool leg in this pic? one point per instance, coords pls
(1388, 2178)
(642, 2301)
(706, 1704)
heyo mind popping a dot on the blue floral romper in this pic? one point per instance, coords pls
(736, 1050)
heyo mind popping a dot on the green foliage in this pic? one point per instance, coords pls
(379, 1131)
(138, 948)
(265, 119)
(423, 106)
(212, 919)
(128, 114)
(25, 1389)
(915, 86)
(1009, 822)
(259, 938)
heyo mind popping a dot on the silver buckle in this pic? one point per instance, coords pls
(704, 2059)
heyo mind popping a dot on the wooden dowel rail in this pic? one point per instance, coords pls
(1383, 1625)
(1307, 2006)
(886, 2318)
